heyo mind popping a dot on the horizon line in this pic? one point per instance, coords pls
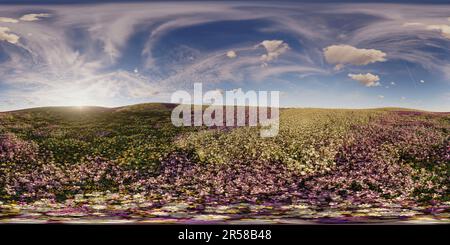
(193, 104)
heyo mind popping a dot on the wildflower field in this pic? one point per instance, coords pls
(130, 164)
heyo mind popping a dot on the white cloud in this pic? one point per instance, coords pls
(381, 96)
(274, 49)
(444, 29)
(34, 17)
(231, 54)
(341, 55)
(50, 51)
(393, 83)
(368, 79)
(422, 81)
(6, 35)
(8, 20)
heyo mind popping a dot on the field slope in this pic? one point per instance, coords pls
(132, 159)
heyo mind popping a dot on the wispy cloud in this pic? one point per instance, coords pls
(86, 49)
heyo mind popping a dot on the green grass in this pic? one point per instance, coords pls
(138, 135)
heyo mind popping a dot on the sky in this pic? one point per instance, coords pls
(328, 54)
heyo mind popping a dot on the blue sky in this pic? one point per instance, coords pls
(333, 55)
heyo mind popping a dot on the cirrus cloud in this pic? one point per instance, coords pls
(341, 55)
(113, 54)
(368, 79)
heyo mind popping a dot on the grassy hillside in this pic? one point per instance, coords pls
(321, 156)
(138, 135)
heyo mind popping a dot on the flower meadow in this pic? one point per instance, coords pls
(131, 164)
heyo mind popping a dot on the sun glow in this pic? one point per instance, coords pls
(77, 97)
